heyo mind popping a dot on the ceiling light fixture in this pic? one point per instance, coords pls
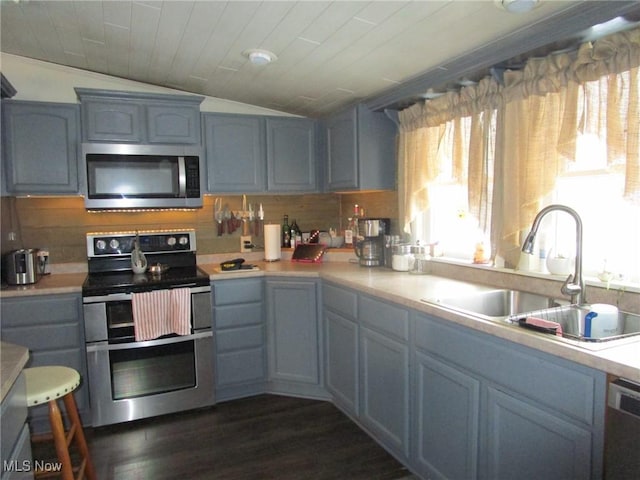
(517, 6)
(260, 57)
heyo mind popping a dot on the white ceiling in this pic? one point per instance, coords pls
(330, 54)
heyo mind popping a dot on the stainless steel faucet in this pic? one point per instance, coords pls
(573, 285)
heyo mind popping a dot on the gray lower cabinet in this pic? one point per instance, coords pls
(524, 440)
(294, 336)
(238, 322)
(51, 327)
(487, 408)
(455, 403)
(384, 372)
(40, 147)
(341, 362)
(367, 364)
(446, 420)
(341, 350)
(16, 444)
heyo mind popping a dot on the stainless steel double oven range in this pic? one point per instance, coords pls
(131, 379)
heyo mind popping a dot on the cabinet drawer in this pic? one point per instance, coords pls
(20, 312)
(237, 291)
(240, 367)
(384, 317)
(45, 337)
(231, 316)
(239, 338)
(340, 300)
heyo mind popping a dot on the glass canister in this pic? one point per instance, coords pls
(401, 257)
(420, 260)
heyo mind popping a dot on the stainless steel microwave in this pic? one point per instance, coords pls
(122, 176)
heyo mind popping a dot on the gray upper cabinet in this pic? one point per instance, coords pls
(250, 153)
(291, 155)
(105, 120)
(40, 147)
(361, 153)
(132, 117)
(234, 149)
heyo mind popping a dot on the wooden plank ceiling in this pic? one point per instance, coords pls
(330, 54)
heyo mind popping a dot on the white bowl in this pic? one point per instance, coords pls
(560, 265)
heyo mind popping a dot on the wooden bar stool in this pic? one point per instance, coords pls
(46, 385)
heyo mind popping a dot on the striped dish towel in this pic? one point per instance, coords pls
(161, 312)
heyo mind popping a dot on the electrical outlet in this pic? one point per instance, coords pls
(245, 244)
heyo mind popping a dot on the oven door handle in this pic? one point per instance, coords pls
(101, 346)
(123, 297)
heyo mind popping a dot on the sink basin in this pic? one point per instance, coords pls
(571, 318)
(494, 304)
(514, 306)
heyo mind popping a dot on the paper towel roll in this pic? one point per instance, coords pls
(271, 242)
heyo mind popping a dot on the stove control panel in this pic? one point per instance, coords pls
(122, 243)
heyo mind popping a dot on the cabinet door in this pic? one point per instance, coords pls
(342, 151)
(384, 370)
(238, 319)
(50, 326)
(240, 344)
(446, 420)
(235, 153)
(292, 331)
(524, 441)
(291, 162)
(173, 124)
(341, 357)
(112, 121)
(40, 142)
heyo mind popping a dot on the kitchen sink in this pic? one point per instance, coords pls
(513, 307)
(571, 319)
(494, 304)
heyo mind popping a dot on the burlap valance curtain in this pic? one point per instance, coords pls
(546, 106)
(422, 148)
(541, 111)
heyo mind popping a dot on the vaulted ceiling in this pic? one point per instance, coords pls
(329, 53)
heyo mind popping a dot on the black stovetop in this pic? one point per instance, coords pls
(127, 282)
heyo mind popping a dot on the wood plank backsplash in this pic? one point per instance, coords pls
(61, 223)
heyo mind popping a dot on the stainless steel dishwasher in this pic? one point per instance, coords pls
(622, 451)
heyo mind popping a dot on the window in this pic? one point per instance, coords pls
(568, 134)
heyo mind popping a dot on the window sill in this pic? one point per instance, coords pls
(614, 285)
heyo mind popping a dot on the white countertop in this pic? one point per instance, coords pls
(13, 358)
(405, 289)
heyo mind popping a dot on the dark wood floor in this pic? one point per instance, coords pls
(264, 437)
